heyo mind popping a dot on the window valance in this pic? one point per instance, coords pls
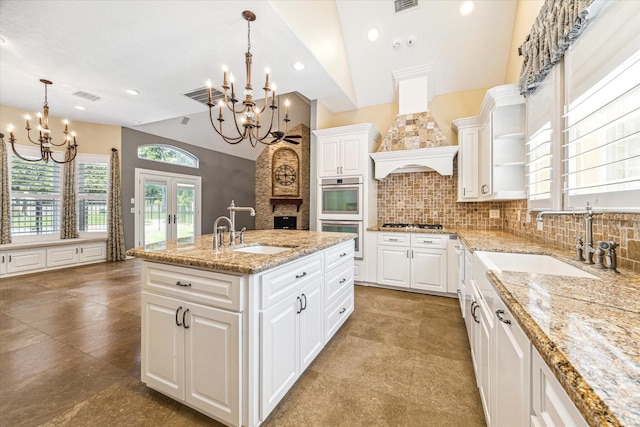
(557, 26)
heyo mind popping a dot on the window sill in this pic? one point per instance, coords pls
(30, 244)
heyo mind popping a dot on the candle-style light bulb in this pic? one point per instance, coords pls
(286, 106)
(273, 94)
(27, 118)
(66, 126)
(224, 79)
(266, 84)
(209, 89)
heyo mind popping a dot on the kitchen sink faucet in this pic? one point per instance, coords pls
(218, 237)
(586, 247)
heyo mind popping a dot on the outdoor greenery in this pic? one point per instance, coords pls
(167, 154)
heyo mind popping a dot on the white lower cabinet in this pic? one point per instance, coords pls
(24, 261)
(550, 404)
(292, 336)
(512, 362)
(192, 353)
(413, 260)
(516, 386)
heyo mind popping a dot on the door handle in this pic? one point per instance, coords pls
(299, 305)
(499, 313)
(174, 218)
(305, 302)
(178, 321)
(184, 323)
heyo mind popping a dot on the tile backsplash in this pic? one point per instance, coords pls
(428, 197)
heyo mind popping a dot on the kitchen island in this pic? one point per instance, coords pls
(228, 332)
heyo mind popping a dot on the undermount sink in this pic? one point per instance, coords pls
(530, 263)
(262, 249)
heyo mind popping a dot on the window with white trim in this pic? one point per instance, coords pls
(36, 194)
(93, 179)
(598, 148)
(168, 154)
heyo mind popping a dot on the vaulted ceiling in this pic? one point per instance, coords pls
(164, 49)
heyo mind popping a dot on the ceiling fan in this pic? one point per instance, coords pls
(279, 135)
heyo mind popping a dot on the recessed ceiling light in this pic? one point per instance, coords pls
(373, 34)
(298, 66)
(466, 8)
(133, 92)
(79, 107)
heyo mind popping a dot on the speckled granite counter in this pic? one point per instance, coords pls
(587, 330)
(199, 253)
(410, 230)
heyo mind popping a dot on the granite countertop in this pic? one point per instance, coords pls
(200, 253)
(587, 330)
(410, 230)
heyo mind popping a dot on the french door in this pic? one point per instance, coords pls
(167, 207)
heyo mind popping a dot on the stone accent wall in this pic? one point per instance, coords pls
(411, 131)
(265, 186)
(428, 197)
(560, 230)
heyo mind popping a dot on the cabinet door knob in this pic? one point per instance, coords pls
(299, 276)
(178, 321)
(184, 323)
(499, 313)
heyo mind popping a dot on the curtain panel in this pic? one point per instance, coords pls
(115, 238)
(5, 206)
(69, 219)
(557, 26)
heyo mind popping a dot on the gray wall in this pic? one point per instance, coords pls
(224, 178)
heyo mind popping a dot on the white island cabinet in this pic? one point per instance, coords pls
(231, 343)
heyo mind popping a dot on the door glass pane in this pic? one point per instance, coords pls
(186, 212)
(155, 213)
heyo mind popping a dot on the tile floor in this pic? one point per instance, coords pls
(70, 356)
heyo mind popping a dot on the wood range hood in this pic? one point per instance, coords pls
(414, 142)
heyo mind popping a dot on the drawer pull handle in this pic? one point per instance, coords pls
(184, 323)
(344, 279)
(343, 254)
(184, 285)
(427, 241)
(177, 312)
(300, 276)
(499, 313)
(343, 310)
(393, 240)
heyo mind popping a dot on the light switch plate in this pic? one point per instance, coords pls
(133, 210)
(494, 213)
(133, 201)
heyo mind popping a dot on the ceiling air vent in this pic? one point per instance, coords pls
(86, 95)
(402, 5)
(202, 95)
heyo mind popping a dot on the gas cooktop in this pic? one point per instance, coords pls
(420, 226)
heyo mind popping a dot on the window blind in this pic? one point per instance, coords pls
(35, 195)
(602, 120)
(93, 178)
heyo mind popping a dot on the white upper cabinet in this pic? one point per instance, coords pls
(344, 150)
(491, 159)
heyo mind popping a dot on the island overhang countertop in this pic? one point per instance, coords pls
(199, 253)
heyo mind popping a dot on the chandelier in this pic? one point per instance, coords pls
(45, 141)
(246, 118)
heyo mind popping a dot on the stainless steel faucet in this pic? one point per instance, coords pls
(218, 235)
(218, 232)
(232, 214)
(586, 248)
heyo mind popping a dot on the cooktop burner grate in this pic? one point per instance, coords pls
(420, 226)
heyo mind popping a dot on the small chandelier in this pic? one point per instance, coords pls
(45, 141)
(247, 119)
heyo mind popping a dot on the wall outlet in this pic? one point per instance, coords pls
(540, 225)
(133, 210)
(494, 213)
(133, 201)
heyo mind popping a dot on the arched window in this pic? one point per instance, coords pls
(167, 154)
